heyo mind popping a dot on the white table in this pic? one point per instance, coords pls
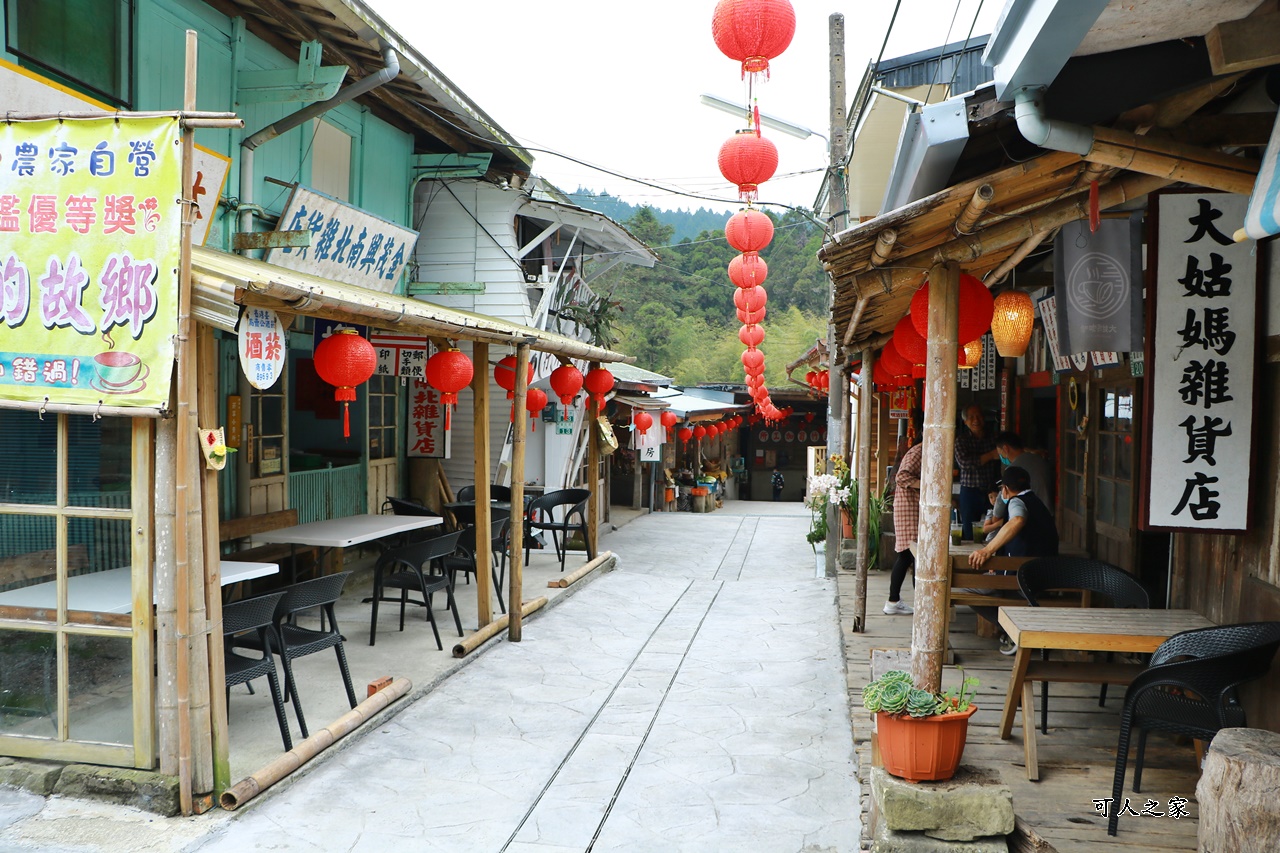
(345, 532)
(111, 591)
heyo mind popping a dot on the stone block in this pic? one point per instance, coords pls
(889, 841)
(142, 789)
(972, 804)
(38, 777)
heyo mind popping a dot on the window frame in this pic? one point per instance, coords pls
(124, 56)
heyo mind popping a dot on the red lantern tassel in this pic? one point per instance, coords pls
(1095, 215)
(346, 420)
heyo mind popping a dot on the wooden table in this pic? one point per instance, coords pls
(111, 591)
(1101, 629)
(346, 532)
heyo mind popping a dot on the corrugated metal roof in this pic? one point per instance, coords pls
(961, 60)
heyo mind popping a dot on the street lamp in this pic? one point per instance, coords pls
(743, 111)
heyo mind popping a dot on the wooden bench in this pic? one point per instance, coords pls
(235, 529)
(1005, 588)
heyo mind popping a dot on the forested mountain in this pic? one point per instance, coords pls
(686, 223)
(678, 318)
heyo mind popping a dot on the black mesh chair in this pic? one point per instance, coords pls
(1044, 574)
(257, 615)
(500, 493)
(400, 506)
(464, 558)
(465, 493)
(413, 568)
(572, 504)
(1190, 689)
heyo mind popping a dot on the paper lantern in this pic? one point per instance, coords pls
(893, 361)
(751, 301)
(753, 31)
(752, 358)
(598, 383)
(1013, 315)
(669, 420)
(449, 372)
(908, 343)
(751, 334)
(504, 373)
(824, 380)
(685, 434)
(748, 270)
(345, 360)
(976, 305)
(748, 230)
(699, 432)
(643, 420)
(747, 160)
(566, 381)
(971, 355)
(535, 400)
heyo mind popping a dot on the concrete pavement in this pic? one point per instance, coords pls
(693, 699)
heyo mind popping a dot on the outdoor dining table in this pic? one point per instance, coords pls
(344, 532)
(1089, 629)
(111, 591)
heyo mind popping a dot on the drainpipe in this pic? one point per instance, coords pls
(390, 68)
(1045, 132)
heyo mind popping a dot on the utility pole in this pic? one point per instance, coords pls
(837, 214)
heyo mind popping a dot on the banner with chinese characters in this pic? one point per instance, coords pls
(89, 252)
(427, 435)
(347, 244)
(1201, 366)
(399, 355)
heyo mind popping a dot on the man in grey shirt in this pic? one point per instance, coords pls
(1012, 452)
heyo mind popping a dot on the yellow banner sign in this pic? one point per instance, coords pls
(90, 224)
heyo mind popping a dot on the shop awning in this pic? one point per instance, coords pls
(601, 235)
(223, 281)
(694, 408)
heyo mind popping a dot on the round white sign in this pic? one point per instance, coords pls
(263, 347)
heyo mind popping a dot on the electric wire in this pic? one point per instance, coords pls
(937, 69)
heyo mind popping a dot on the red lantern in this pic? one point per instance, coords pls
(751, 334)
(699, 432)
(643, 420)
(598, 383)
(908, 343)
(752, 358)
(824, 380)
(748, 230)
(449, 372)
(566, 381)
(751, 299)
(753, 31)
(748, 160)
(669, 420)
(504, 373)
(917, 371)
(808, 417)
(685, 434)
(977, 306)
(535, 400)
(345, 360)
(748, 270)
(894, 363)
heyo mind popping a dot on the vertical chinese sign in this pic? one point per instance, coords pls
(1202, 364)
(427, 436)
(89, 248)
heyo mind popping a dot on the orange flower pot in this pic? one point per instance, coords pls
(923, 749)
(846, 524)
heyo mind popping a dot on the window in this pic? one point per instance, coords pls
(267, 416)
(382, 417)
(331, 161)
(86, 43)
(1115, 458)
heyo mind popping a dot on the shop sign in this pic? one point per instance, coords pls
(1049, 317)
(565, 417)
(89, 259)
(427, 436)
(1201, 373)
(348, 244)
(321, 329)
(399, 355)
(263, 347)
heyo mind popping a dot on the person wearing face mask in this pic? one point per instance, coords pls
(1013, 452)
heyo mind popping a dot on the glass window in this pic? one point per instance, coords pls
(1106, 455)
(99, 454)
(28, 684)
(87, 43)
(383, 403)
(267, 414)
(101, 690)
(29, 474)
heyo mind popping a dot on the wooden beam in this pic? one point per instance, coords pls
(884, 247)
(484, 524)
(1173, 160)
(1252, 42)
(974, 209)
(593, 474)
(515, 588)
(862, 550)
(933, 563)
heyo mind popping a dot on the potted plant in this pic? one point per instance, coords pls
(921, 734)
(821, 488)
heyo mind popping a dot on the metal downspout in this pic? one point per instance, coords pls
(390, 68)
(1045, 132)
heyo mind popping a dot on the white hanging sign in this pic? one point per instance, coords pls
(263, 347)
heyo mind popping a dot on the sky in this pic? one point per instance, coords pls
(617, 84)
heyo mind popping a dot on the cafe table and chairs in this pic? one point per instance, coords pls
(1081, 629)
(346, 532)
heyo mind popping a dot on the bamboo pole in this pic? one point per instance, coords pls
(484, 521)
(974, 209)
(515, 591)
(207, 394)
(933, 570)
(582, 572)
(464, 647)
(166, 602)
(885, 241)
(249, 787)
(593, 474)
(863, 549)
(1175, 161)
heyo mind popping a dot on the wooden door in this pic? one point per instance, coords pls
(384, 441)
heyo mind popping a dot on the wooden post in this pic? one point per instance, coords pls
(933, 565)
(593, 475)
(516, 580)
(637, 483)
(207, 394)
(484, 526)
(863, 549)
(838, 391)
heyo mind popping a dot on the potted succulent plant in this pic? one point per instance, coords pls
(921, 734)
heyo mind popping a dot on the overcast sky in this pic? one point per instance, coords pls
(616, 82)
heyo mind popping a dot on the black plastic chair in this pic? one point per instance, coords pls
(500, 493)
(465, 493)
(542, 519)
(464, 558)
(258, 615)
(410, 568)
(1043, 574)
(1190, 689)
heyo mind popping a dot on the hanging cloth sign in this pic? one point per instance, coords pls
(263, 347)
